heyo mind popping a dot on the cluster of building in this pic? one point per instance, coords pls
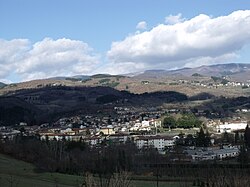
(235, 84)
(128, 125)
(209, 84)
(96, 136)
(8, 132)
(212, 153)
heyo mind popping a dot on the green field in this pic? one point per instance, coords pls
(21, 174)
(15, 173)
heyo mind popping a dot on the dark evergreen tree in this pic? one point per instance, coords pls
(169, 122)
(236, 137)
(202, 139)
(243, 155)
(247, 136)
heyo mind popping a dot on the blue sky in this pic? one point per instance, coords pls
(98, 24)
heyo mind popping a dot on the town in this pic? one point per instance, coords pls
(146, 129)
(124, 93)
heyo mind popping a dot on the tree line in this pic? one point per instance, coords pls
(188, 120)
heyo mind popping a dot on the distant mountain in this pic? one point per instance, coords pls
(2, 85)
(133, 74)
(189, 81)
(215, 70)
(85, 77)
(57, 78)
(82, 77)
(237, 71)
(153, 74)
(76, 77)
(106, 76)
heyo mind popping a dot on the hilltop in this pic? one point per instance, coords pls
(2, 85)
(190, 81)
(46, 104)
(236, 72)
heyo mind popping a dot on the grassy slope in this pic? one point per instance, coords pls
(21, 174)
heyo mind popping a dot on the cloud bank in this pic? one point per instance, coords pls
(11, 52)
(46, 58)
(181, 42)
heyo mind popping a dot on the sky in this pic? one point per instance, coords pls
(49, 38)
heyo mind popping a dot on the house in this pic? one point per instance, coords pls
(8, 133)
(67, 131)
(118, 138)
(51, 136)
(244, 110)
(92, 141)
(82, 131)
(227, 153)
(201, 154)
(107, 131)
(158, 142)
(231, 126)
(169, 141)
(143, 126)
(135, 127)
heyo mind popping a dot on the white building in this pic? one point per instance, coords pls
(231, 126)
(145, 123)
(93, 141)
(118, 138)
(158, 142)
(212, 154)
(144, 126)
(8, 133)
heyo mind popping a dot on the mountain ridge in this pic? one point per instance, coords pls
(190, 81)
(205, 70)
(2, 84)
(210, 70)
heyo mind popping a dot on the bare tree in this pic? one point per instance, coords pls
(121, 179)
(89, 181)
(12, 181)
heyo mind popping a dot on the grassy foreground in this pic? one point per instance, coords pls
(16, 173)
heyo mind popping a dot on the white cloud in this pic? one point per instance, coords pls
(122, 68)
(171, 19)
(46, 58)
(141, 25)
(200, 40)
(179, 43)
(11, 52)
(6, 81)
